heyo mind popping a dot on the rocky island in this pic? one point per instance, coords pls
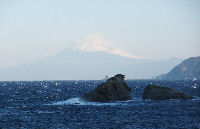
(155, 92)
(114, 89)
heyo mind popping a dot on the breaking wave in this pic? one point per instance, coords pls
(79, 101)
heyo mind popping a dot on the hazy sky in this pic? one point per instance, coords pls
(31, 30)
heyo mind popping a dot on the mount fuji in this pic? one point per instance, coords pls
(87, 65)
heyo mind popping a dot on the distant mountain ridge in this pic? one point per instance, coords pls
(86, 65)
(188, 69)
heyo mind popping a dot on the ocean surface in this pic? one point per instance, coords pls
(56, 104)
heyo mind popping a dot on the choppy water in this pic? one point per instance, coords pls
(56, 104)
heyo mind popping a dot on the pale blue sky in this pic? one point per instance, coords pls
(31, 30)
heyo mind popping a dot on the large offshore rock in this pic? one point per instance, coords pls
(114, 89)
(155, 92)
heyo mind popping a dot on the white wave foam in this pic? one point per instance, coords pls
(79, 101)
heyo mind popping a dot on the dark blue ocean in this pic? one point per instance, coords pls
(55, 104)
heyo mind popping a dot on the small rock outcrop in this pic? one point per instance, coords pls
(114, 89)
(155, 92)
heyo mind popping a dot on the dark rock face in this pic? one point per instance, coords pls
(114, 89)
(188, 69)
(155, 92)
